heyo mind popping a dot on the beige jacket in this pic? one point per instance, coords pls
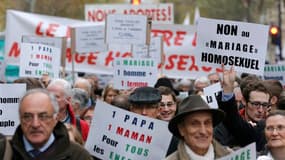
(181, 153)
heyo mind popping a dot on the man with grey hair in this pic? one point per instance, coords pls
(40, 135)
(79, 100)
(62, 91)
(84, 84)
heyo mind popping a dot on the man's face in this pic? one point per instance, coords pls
(58, 92)
(167, 108)
(214, 78)
(256, 108)
(275, 131)
(149, 110)
(37, 118)
(197, 131)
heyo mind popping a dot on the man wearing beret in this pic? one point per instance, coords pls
(193, 125)
(145, 101)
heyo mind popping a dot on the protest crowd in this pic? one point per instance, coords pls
(142, 112)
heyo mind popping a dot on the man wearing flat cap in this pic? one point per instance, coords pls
(144, 101)
(193, 125)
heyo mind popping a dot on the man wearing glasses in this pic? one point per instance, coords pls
(40, 135)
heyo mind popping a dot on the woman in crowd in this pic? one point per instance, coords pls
(109, 93)
(275, 136)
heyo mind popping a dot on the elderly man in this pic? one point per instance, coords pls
(40, 135)
(145, 101)
(62, 91)
(193, 125)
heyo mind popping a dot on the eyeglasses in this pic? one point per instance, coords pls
(43, 117)
(278, 128)
(258, 104)
(168, 104)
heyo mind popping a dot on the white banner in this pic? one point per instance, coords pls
(161, 13)
(9, 107)
(246, 153)
(118, 134)
(275, 71)
(239, 44)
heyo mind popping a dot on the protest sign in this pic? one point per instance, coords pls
(153, 50)
(239, 44)
(2, 69)
(210, 92)
(90, 38)
(275, 71)
(127, 29)
(58, 42)
(134, 72)
(178, 45)
(119, 134)
(39, 59)
(246, 153)
(9, 107)
(161, 13)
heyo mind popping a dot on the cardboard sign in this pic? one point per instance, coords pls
(161, 13)
(275, 71)
(246, 153)
(134, 72)
(127, 29)
(38, 60)
(239, 44)
(90, 39)
(118, 134)
(9, 107)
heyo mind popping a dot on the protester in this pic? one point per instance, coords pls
(62, 90)
(109, 93)
(87, 115)
(40, 135)
(79, 100)
(214, 78)
(167, 105)
(5, 148)
(84, 84)
(145, 101)
(31, 83)
(200, 83)
(243, 130)
(275, 136)
(193, 125)
(276, 88)
(121, 101)
(164, 81)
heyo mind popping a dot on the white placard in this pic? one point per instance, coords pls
(9, 107)
(246, 153)
(160, 13)
(209, 93)
(2, 69)
(90, 39)
(115, 132)
(49, 41)
(126, 29)
(39, 59)
(134, 72)
(239, 44)
(153, 50)
(275, 71)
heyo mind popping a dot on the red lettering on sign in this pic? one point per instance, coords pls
(193, 65)
(51, 29)
(92, 57)
(182, 62)
(15, 50)
(179, 38)
(166, 35)
(38, 29)
(48, 30)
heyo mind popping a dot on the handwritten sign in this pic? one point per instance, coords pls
(9, 107)
(127, 29)
(90, 39)
(246, 153)
(38, 60)
(134, 72)
(118, 134)
(238, 44)
(161, 13)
